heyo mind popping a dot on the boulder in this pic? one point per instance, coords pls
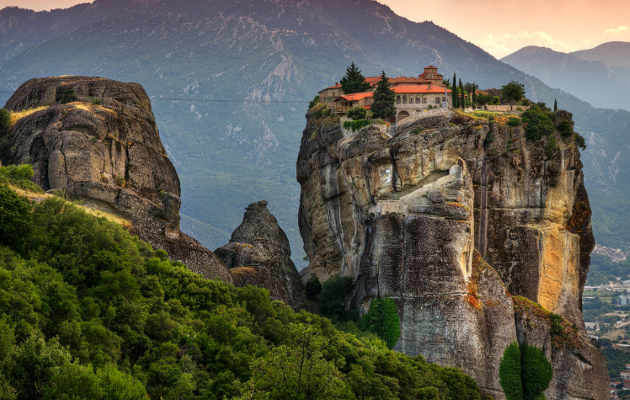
(105, 150)
(259, 254)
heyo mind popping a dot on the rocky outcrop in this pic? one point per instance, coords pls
(404, 211)
(105, 150)
(259, 254)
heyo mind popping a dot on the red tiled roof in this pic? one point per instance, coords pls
(406, 79)
(356, 96)
(431, 66)
(420, 89)
(337, 86)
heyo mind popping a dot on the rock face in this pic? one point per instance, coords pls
(105, 149)
(259, 254)
(415, 217)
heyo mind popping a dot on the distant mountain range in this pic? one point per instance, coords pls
(231, 80)
(600, 76)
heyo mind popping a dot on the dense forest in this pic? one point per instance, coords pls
(88, 311)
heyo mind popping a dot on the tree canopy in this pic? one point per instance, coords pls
(354, 81)
(513, 92)
(384, 105)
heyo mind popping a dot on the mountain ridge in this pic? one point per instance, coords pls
(287, 51)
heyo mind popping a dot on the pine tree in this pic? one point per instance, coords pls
(462, 105)
(454, 93)
(555, 104)
(384, 105)
(354, 81)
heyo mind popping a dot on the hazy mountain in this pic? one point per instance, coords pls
(616, 56)
(231, 80)
(612, 53)
(589, 79)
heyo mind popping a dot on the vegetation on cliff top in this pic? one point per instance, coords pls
(91, 312)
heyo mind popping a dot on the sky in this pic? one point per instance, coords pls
(498, 26)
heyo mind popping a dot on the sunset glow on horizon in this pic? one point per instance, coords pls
(499, 28)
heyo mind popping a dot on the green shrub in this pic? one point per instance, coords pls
(552, 145)
(313, 102)
(313, 287)
(514, 122)
(68, 96)
(5, 121)
(510, 373)
(382, 319)
(495, 101)
(536, 372)
(357, 113)
(524, 372)
(418, 129)
(19, 176)
(489, 139)
(18, 172)
(565, 128)
(579, 141)
(537, 124)
(15, 216)
(429, 393)
(332, 299)
(460, 386)
(356, 125)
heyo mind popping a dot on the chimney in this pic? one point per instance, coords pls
(429, 85)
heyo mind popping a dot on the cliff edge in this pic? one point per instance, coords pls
(481, 236)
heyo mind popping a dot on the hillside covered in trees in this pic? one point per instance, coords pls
(89, 312)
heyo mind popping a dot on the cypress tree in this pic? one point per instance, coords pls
(354, 81)
(474, 95)
(463, 100)
(384, 105)
(454, 93)
(555, 104)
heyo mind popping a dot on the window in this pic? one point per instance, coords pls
(437, 100)
(404, 99)
(410, 99)
(424, 100)
(397, 99)
(418, 100)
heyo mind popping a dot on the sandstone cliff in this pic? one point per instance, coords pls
(259, 254)
(405, 216)
(105, 150)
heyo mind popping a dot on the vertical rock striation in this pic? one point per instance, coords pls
(413, 217)
(105, 150)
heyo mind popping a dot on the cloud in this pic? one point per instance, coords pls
(616, 32)
(621, 33)
(505, 44)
